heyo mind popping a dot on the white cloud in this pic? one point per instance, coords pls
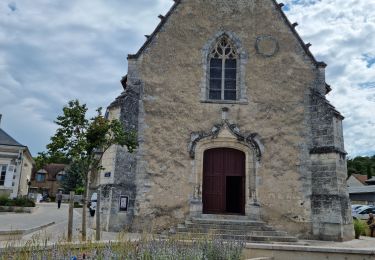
(342, 32)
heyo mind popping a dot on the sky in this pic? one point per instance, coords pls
(52, 51)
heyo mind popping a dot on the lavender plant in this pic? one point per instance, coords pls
(151, 249)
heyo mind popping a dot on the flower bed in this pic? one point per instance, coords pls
(153, 249)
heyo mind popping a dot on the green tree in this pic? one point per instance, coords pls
(73, 180)
(45, 158)
(369, 171)
(83, 141)
(361, 165)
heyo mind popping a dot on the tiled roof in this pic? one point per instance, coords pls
(6, 139)
(52, 169)
(361, 178)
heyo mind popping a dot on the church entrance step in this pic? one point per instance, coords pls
(224, 217)
(231, 231)
(238, 228)
(247, 238)
(228, 227)
(242, 222)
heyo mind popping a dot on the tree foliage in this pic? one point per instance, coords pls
(73, 180)
(362, 165)
(45, 158)
(84, 140)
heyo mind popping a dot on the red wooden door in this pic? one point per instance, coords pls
(223, 181)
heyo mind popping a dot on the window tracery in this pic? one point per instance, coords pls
(223, 71)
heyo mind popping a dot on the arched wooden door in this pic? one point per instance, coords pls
(223, 181)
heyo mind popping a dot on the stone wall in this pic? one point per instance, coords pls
(172, 71)
(282, 92)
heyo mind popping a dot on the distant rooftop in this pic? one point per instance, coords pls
(363, 189)
(6, 139)
(361, 178)
(372, 180)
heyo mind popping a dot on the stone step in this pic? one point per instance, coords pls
(248, 238)
(223, 217)
(231, 231)
(207, 226)
(226, 222)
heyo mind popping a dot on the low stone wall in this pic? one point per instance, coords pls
(288, 252)
(17, 234)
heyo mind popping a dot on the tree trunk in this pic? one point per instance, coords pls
(98, 226)
(70, 219)
(84, 209)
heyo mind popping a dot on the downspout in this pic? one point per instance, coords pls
(20, 152)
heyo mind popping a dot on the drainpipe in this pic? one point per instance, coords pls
(20, 152)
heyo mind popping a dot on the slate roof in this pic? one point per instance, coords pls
(6, 139)
(372, 180)
(363, 189)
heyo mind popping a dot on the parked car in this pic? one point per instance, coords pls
(92, 204)
(357, 207)
(363, 212)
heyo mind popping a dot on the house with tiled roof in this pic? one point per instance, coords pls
(47, 180)
(16, 165)
(356, 180)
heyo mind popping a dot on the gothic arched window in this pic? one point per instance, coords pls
(223, 71)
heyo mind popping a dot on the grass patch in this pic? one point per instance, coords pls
(360, 228)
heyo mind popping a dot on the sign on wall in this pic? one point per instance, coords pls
(124, 200)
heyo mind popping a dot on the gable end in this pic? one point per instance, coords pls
(278, 6)
(157, 29)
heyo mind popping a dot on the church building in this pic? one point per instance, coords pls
(232, 119)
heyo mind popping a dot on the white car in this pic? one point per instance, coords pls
(357, 207)
(363, 212)
(92, 204)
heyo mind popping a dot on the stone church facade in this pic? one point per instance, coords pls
(230, 110)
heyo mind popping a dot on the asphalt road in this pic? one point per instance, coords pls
(45, 214)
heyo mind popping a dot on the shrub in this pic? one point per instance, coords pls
(77, 205)
(359, 228)
(19, 202)
(23, 202)
(3, 200)
(79, 190)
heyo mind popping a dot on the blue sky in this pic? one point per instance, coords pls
(55, 51)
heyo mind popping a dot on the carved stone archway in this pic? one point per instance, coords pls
(226, 135)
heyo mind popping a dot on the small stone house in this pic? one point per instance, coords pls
(16, 165)
(48, 179)
(230, 109)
